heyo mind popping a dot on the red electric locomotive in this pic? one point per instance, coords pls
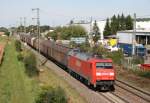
(97, 71)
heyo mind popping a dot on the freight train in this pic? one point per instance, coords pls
(98, 72)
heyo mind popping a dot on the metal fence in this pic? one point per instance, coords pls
(127, 63)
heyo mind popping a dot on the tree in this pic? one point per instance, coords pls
(3, 29)
(113, 25)
(20, 29)
(54, 34)
(107, 29)
(85, 47)
(118, 23)
(122, 23)
(7, 33)
(96, 34)
(99, 50)
(68, 32)
(116, 56)
(44, 28)
(129, 23)
(71, 22)
(31, 28)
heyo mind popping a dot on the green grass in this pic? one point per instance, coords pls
(15, 85)
(3, 40)
(50, 79)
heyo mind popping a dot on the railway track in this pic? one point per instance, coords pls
(125, 93)
(112, 98)
(130, 94)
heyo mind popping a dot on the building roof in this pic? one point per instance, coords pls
(111, 36)
(137, 31)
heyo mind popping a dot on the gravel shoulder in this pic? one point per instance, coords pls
(132, 79)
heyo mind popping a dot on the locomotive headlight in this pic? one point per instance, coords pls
(112, 74)
(98, 74)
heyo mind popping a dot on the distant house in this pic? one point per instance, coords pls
(2, 33)
(88, 26)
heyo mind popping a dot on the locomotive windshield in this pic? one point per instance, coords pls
(103, 65)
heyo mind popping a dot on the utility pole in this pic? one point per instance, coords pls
(25, 25)
(91, 24)
(20, 24)
(134, 35)
(91, 34)
(38, 26)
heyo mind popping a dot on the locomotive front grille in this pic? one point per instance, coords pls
(105, 82)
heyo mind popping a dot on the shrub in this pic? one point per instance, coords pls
(138, 60)
(18, 45)
(20, 57)
(145, 74)
(100, 50)
(116, 56)
(52, 95)
(7, 33)
(85, 47)
(30, 64)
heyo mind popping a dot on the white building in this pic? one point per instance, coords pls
(127, 36)
(143, 25)
(89, 26)
(101, 24)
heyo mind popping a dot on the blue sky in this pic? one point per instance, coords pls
(57, 12)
